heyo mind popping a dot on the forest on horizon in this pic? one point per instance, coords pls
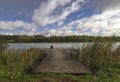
(40, 38)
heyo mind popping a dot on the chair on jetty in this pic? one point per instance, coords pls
(51, 46)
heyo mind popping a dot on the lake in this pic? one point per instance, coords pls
(43, 45)
(47, 45)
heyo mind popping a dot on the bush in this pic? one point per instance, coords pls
(16, 63)
(3, 44)
(96, 56)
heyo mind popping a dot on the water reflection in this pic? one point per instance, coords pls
(43, 45)
(48, 45)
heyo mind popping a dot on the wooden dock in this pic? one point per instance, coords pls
(60, 61)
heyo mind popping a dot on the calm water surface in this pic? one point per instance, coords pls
(47, 45)
(43, 45)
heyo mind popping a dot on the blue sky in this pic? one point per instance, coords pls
(60, 17)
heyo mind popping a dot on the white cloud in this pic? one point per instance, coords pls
(13, 25)
(44, 14)
(6, 33)
(60, 23)
(104, 4)
(106, 23)
(60, 32)
(9, 25)
(56, 11)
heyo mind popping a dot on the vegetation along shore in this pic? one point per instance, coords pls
(99, 58)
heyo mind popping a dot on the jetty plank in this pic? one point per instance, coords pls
(60, 61)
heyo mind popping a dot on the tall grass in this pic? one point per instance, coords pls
(14, 64)
(98, 56)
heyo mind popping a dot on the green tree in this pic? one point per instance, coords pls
(3, 44)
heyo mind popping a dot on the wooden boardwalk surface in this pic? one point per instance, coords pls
(59, 61)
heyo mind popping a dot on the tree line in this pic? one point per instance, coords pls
(39, 38)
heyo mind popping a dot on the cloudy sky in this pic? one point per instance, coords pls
(60, 17)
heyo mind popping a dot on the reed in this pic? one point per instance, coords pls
(16, 63)
(98, 56)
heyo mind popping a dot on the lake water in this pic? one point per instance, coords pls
(43, 45)
(47, 45)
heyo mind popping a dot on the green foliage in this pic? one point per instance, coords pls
(98, 56)
(14, 64)
(3, 44)
(39, 38)
(101, 60)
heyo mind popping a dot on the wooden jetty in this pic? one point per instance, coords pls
(60, 61)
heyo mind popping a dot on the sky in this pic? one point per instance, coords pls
(60, 17)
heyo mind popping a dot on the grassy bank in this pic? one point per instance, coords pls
(14, 64)
(104, 64)
(39, 38)
(101, 60)
(17, 66)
